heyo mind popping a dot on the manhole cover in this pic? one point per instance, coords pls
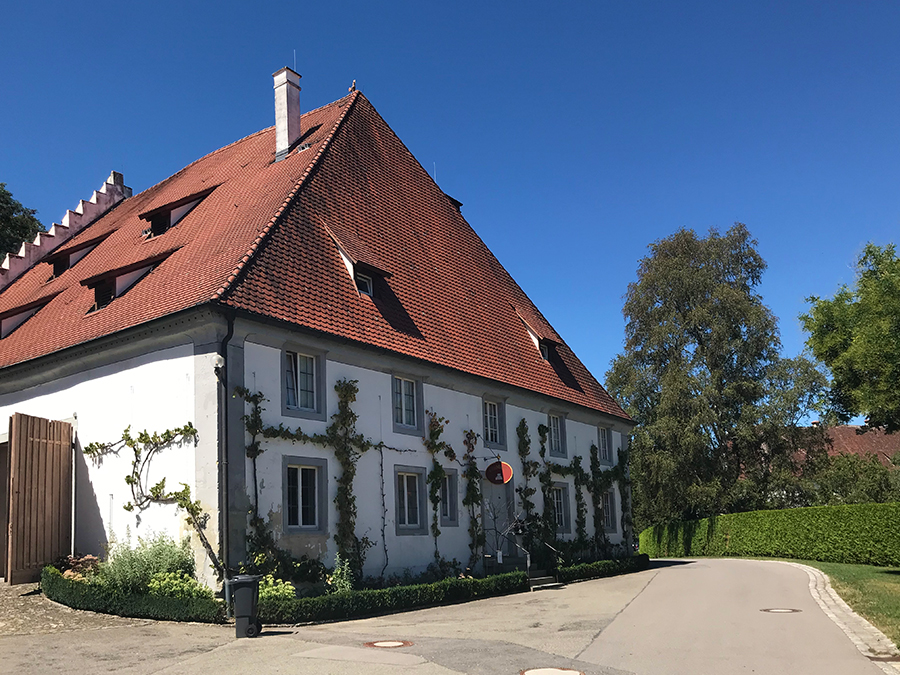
(388, 644)
(781, 610)
(550, 671)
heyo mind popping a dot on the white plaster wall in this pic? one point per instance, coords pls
(463, 411)
(152, 392)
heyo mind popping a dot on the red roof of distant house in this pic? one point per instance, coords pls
(263, 241)
(846, 440)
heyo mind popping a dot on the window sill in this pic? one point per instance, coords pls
(408, 431)
(411, 532)
(302, 414)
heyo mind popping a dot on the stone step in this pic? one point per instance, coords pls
(545, 584)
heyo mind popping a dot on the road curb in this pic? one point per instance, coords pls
(870, 641)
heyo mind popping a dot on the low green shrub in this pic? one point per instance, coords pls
(130, 569)
(603, 568)
(177, 585)
(350, 604)
(864, 534)
(98, 596)
(272, 589)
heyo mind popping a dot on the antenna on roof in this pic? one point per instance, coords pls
(295, 60)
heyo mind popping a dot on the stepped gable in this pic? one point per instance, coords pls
(109, 195)
(204, 249)
(448, 300)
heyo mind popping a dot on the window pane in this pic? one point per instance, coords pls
(291, 381)
(412, 500)
(308, 497)
(445, 497)
(558, 506)
(398, 400)
(607, 511)
(491, 425)
(306, 381)
(604, 444)
(292, 496)
(409, 403)
(401, 499)
(555, 443)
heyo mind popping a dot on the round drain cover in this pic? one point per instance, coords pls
(781, 610)
(389, 644)
(550, 671)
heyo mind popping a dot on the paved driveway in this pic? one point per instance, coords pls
(698, 617)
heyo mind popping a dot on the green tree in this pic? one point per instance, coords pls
(17, 224)
(851, 479)
(699, 346)
(857, 335)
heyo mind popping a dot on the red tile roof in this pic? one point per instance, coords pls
(260, 242)
(845, 440)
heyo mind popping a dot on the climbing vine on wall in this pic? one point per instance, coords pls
(530, 469)
(435, 478)
(348, 446)
(472, 498)
(145, 446)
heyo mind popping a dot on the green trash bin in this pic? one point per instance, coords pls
(245, 595)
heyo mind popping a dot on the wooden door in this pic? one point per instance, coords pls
(40, 495)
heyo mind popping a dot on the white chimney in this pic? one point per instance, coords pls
(287, 111)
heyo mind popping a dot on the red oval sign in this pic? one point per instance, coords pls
(499, 473)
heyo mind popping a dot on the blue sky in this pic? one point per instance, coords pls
(574, 133)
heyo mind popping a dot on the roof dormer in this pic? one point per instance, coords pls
(362, 266)
(65, 260)
(163, 218)
(113, 284)
(12, 319)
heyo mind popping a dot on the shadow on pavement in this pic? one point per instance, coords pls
(657, 564)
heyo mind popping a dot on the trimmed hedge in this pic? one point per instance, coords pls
(352, 604)
(865, 534)
(108, 600)
(604, 568)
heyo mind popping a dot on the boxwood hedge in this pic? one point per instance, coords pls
(604, 568)
(854, 533)
(352, 604)
(99, 597)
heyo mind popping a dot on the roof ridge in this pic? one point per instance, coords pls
(264, 232)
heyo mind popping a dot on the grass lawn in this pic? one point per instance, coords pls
(873, 592)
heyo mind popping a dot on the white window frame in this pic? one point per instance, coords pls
(416, 475)
(418, 427)
(320, 466)
(499, 417)
(364, 284)
(559, 493)
(559, 436)
(604, 444)
(450, 499)
(609, 511)
(290, 356)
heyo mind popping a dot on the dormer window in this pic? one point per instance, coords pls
(113, 284)
(104, 293)
(364, 284)
(14, 318)
(164, 218)
(545, 351)
(60, 265)
(67, 259)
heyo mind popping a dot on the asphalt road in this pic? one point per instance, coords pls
(697, 617)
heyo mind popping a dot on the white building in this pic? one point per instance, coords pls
(308, 253)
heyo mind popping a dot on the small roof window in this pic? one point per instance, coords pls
(113, 284)
(12, 319)
(66, 260)
(364, 284)
(163, 218)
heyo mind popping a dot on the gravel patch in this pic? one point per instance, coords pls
(24, 610)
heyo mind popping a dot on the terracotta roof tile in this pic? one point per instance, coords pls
(258, 243)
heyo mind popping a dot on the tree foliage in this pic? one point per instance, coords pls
(17, 223)
(857, 335)
(718, 410)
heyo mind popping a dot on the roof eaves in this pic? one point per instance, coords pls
(264, 233)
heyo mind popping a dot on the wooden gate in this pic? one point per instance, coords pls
(40, 495)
